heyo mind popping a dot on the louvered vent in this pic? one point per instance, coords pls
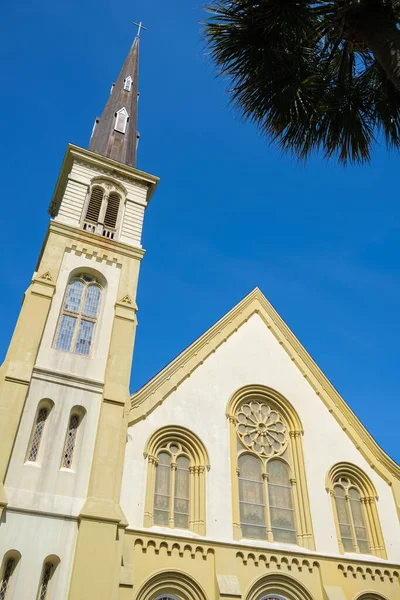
(94, 206)
(110, 219)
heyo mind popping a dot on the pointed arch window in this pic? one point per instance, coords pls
(8, 569)
(41, 418)
(128, 84)
(121, 120)
(74, 423)
(48, 570)
(269, 487)
(79, 315)
(177, 462)
(355, 511)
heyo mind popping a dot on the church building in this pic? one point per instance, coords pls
(237, 473)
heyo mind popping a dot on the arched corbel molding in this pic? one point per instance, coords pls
(280, 585)
(276, 402)
(171, 583)
(354, 477)
(193, 448)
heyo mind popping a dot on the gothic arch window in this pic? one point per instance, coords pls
(79, 315)
(270, 498)
(42, 414)
(128, 84)
(45, 585)
(175, 496)
(121, 120)
(354, 504)
(9, 564)
(102, 212)
(74, 422)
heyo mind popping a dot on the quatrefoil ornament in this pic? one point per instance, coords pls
(261, 429)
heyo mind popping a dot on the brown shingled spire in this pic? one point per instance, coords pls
(115, 133)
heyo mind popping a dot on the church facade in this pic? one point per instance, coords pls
(238, 472)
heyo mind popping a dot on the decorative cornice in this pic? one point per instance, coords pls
(94, 245)
(145, 400)
(66, 379)
(104, 166)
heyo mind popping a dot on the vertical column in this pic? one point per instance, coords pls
(201, 526)
(94, 573)
(150, 487)
(237, 530)
(267, 511)
(16, 371)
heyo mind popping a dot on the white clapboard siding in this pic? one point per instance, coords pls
(132, 224)
(72, 203)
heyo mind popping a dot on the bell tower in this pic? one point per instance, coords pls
(64, 384)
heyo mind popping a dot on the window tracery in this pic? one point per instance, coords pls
(79, 315)
(175, 495)
(269, 486)
(355, 511)
(74, 423)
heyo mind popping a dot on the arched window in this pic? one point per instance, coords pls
(175, 497)
(103, 209)
(6, 576)
(48, 570)
(269, 486)
(41, 417)
(128, 84)
(70, 439)
(121, 120)
(79, 315)
(356, 515)
(278, 586)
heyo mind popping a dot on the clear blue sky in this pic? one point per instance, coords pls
(230, 213)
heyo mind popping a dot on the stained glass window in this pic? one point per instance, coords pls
(350, 516)
(172, 488)
(280, 502)
(79, 316)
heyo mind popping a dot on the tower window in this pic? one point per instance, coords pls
(128, 84)
(8, 570)
(121, 120)
(79, 316)
(102, 212)
(70, 440)
(94, 206)
(37, 431)
(111, 216)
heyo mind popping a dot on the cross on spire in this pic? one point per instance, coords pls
(140, 27)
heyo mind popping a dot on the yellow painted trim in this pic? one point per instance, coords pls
(199, 464)
(145, 400)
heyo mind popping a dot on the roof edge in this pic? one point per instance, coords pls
(153, 393)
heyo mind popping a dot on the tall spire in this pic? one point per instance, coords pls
(115, 133)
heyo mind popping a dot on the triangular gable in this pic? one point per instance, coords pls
(151, 395)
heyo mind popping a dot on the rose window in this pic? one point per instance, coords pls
(261, 429)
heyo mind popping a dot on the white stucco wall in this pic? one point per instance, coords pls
(252, 355)
(35, 538)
